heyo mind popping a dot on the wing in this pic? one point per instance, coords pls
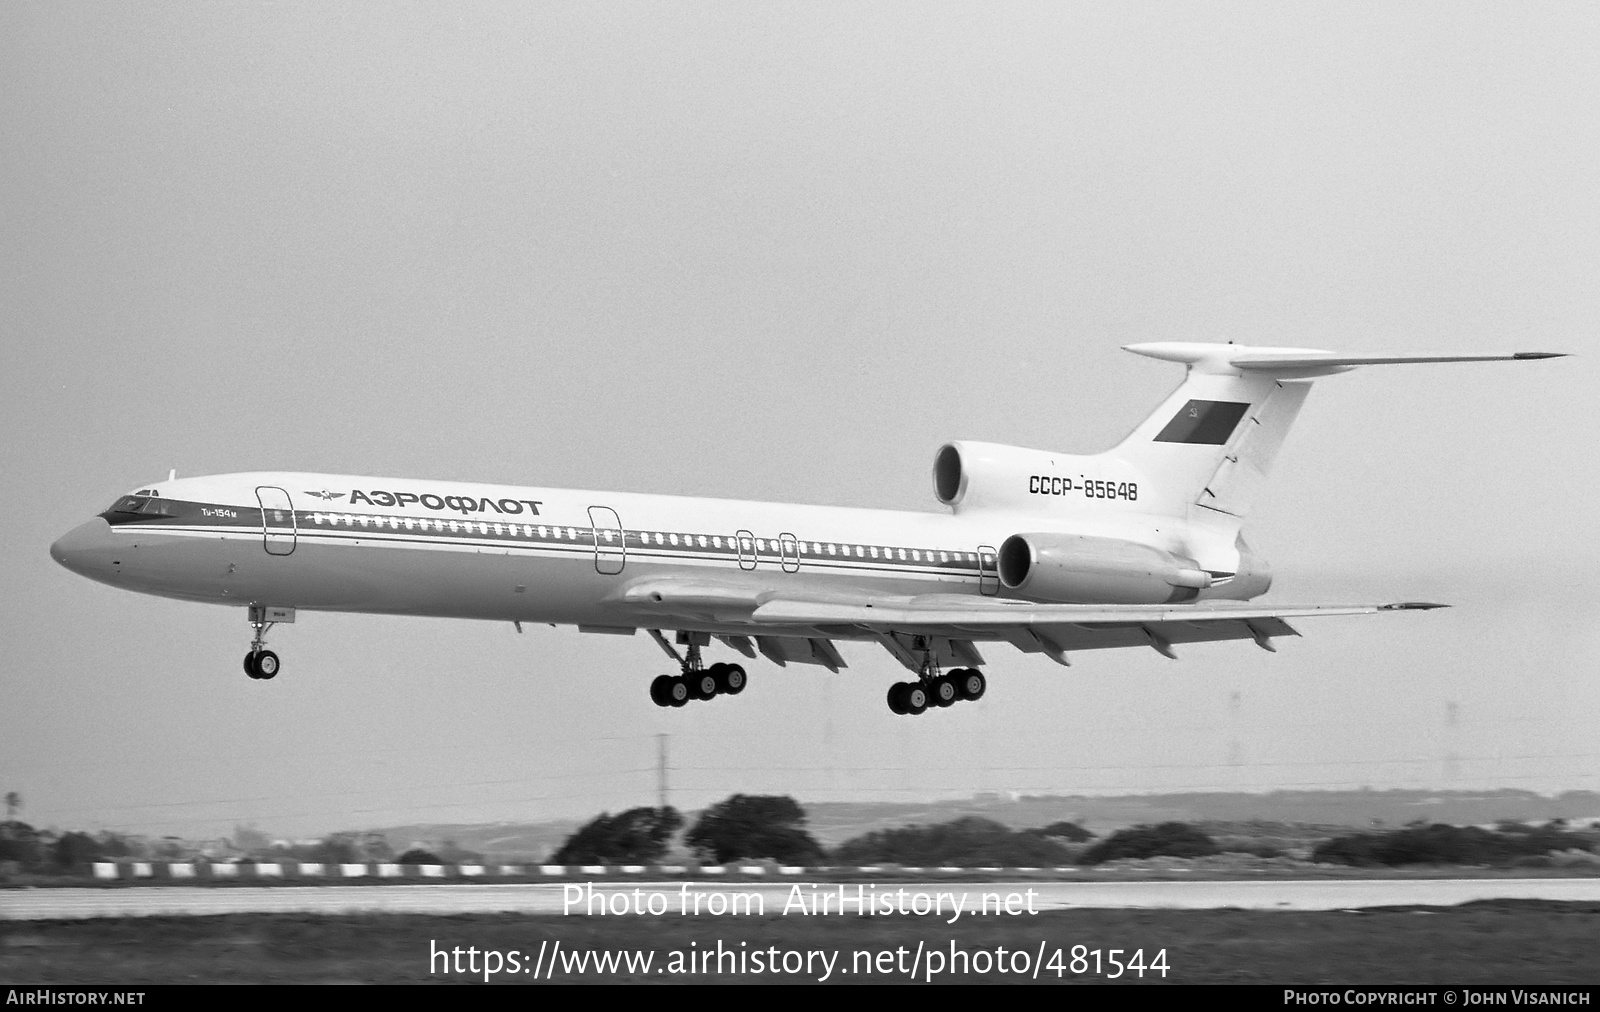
(799, 626)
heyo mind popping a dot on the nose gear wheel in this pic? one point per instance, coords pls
(260, 663)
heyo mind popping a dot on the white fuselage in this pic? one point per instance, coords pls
(449, 549)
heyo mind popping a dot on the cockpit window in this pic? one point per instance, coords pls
(141, 505)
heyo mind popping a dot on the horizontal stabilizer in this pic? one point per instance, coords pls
(1308, 364)
(1303, 363)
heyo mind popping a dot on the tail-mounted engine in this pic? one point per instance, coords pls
(968, 475)
(1075, 569)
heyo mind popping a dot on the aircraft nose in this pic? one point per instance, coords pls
(84, 549)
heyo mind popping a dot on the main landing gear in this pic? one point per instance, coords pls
(934, 689)
(696, 680)
(260, 662)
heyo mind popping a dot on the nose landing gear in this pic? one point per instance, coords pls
(260, 662)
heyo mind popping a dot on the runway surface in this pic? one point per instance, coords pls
(677, 897)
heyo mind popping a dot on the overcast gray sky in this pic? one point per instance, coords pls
(784, 251)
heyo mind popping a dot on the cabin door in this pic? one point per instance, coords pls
(277, 520)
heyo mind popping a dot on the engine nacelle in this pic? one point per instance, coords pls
(970, 474)
(1075, 569)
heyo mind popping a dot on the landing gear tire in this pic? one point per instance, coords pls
(262, 664)
(944, 692)
(909, 698)
(661, 690)
(972, 683)
(730, 679)
(703, 684)
(678, 690)
(717, 672)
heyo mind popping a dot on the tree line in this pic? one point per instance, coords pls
(773, 827)
(755, 827)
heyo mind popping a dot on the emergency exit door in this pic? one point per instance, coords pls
(988, 570)
(610, 551)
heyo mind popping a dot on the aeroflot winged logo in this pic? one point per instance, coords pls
(459, 503)
(325, 494)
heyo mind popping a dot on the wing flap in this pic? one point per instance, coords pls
(1070, 638)
(786, 650)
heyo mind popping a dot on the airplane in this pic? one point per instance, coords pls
(1051, 553)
